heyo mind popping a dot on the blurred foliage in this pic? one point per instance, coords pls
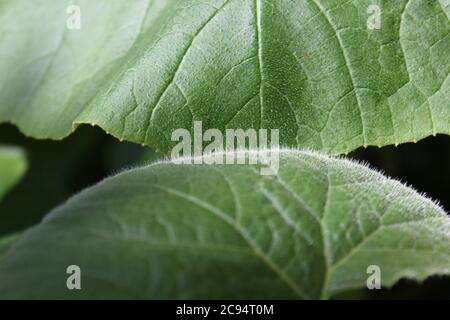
(13, 165)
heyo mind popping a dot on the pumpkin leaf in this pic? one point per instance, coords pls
(12, 167)
(226, 231)
(321, 71)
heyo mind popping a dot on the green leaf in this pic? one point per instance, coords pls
(12, 167)
(311, 68)
(225, 231)
(6, 243)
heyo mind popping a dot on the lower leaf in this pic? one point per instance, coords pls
(319, 226)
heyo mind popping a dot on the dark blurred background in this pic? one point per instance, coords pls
(59, 169)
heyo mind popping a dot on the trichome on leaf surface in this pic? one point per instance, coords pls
(331, 76)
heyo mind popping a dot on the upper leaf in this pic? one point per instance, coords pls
(12, 167)
(311, 68)
(225, 231)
